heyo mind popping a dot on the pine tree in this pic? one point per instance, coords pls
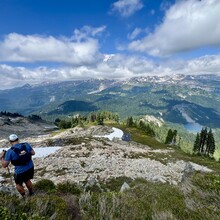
(92, 117)
(169, 137)
(129, 122)
(196, 146)
(204, 143)
(203, 139)
(210, 145)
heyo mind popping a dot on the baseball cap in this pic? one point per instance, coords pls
(13, 137)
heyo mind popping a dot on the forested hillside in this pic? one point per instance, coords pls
(179, 100)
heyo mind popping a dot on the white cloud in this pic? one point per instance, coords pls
(82, 48)
(113, 66)
(86, 31)
(137, 32)
(207, 64)
(134, 33)
(187, 25)
(127, 7)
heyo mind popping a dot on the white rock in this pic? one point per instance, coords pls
(124, 187)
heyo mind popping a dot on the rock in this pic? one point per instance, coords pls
(9, 189)
(159, 179)
(198, 167)
(124, 187)
(84, 161)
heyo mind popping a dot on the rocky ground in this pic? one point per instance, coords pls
(83, 157)
(23, 126)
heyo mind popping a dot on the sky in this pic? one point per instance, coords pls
(59, 40)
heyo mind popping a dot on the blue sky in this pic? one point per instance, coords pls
(48, 40)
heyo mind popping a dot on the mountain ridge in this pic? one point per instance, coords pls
(135, 96)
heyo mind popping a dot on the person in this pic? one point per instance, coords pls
(20, 155)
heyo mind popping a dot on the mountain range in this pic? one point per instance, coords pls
(178, 98)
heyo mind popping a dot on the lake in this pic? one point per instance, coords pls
(193, 127)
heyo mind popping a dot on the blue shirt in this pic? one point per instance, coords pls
(11, 155)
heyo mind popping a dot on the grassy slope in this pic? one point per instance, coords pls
(139, 137)
(197, 197)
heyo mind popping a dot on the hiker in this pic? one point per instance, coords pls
(20, 156)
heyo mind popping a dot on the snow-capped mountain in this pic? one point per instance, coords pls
(155, 95)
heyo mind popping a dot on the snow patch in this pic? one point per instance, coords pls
(117, 133)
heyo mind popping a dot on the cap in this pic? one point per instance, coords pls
(13, 137)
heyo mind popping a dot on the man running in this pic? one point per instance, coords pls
(20, 156)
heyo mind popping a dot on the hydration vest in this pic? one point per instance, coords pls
(23, 155)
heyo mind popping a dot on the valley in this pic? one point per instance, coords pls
(176, 98)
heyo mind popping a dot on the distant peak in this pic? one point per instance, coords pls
(26, 85)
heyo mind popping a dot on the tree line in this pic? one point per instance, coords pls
(9, 114)
(204, 143)
(140, 124)
(97, 118)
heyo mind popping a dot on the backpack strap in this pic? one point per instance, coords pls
(21, 160)
(17, 150)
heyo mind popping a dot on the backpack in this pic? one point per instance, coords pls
(23, 155)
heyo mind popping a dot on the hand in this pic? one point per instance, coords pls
(2, 154)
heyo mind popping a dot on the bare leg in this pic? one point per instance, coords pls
(20, 189)
(29, 185)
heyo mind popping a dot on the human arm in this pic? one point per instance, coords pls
(32, 152)
(4, 162)
(30, 149)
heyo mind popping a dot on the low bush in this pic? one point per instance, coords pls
(144, 200)
(45, 185)
(68, 187)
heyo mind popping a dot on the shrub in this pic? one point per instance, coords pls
(143, 201)
(114, 184)
(68, 187)
(4, 214)
(45, 185)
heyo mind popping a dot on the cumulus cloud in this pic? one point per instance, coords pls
(187, 25)
(86, 31)
(127, 8)
(137, 32)
(134, 33)
(80, 49)
(113, 66)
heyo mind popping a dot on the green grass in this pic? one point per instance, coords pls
(139, 136)
(178, 154)
(58, 132)
(196, 198)
(144, 200)
(41, 207)
(209, 182)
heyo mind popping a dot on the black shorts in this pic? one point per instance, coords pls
(24, 177)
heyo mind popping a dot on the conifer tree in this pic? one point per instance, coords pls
(210, 145)
(196, 146)
(129, 122)
(169, 136)
(203, 139)
(204, 143)
(92, 117)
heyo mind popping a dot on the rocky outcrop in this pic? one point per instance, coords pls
(22, 126)
(94, 159)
